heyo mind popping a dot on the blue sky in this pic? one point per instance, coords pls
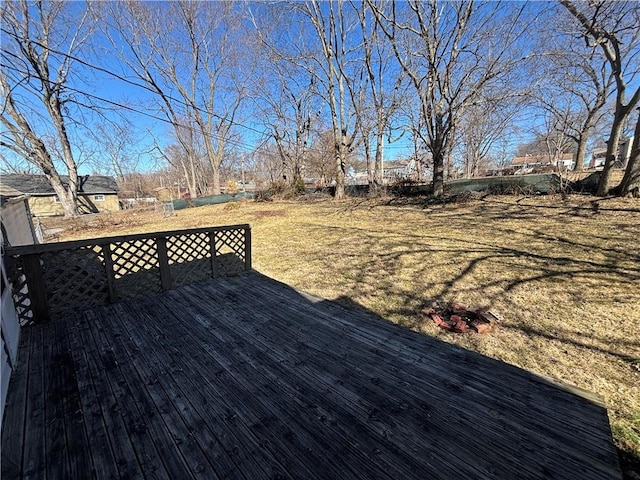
(103, 85)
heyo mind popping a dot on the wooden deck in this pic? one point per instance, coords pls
(245, 377)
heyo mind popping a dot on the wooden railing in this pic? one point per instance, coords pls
(54, 279)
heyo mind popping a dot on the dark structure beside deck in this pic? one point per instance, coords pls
(244, 377)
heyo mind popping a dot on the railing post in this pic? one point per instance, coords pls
(108, 267)
(247, 248)
(214, 254)
(35, 284)
(163, 260)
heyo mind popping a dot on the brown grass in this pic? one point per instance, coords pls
(564, 276)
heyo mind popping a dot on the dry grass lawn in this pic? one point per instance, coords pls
(563, 276)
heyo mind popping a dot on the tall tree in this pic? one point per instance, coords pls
(115, 139)
(382, 102)
(339, 69)
(40, 40)
(192, 56)
(575, 80)
(289, 107)
(614, 28)
(452, 53)
(481, 128)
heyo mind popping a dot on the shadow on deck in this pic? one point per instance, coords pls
(245, 377)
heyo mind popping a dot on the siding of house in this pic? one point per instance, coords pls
(88, 204)
(45, 206)
(10, 338)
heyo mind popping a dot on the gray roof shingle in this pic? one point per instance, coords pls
(39, 185)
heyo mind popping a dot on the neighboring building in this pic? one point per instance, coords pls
(599, 155)
(529, 163)
(399, 170)
(598, 158)
(95, 193)
(393, 171)
(624, 151)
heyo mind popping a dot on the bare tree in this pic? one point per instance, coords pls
(452, 52)
(115, 139)
(39, 42)
(385, 80)
(322, 162)
(290, 109)
(481, 128)
(184, 163)
(340, 75)
(285, 92)
(554, 131)
(614, 28)
(576, 81)
(189, 54)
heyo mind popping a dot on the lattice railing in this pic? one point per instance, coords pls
(52, 280)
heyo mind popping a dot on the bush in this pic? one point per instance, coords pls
(298, 187)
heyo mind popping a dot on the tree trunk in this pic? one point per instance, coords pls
(476, 167)
(216, 179)
(580, 153)
(612, 147)
(370, 166)
(341, 173)
(379, 170)
(631, 180)
(583, 136)
(190, 177)
(438, 174)
(68, 199)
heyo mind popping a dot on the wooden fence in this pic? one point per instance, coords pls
(54, 279)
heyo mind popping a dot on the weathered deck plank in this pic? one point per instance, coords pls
(427, 373)
(451, 417)
(34, 455)
(75, 427)
(258, 376)
(246, 378)
(54, 434)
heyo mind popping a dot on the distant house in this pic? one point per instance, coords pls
(95, 193)
(529, 163)
(399, 170)
(393, 171)
(622, 158)
(598, 158)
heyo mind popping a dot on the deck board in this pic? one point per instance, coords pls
(247, 378)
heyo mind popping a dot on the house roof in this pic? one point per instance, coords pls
(543, 159)
(7, 192)
(10, 195)
(39, 185)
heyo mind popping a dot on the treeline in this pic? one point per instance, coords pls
(307, 89)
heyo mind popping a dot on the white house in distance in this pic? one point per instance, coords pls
(599, 155)
(529, 163)
(393, 171)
